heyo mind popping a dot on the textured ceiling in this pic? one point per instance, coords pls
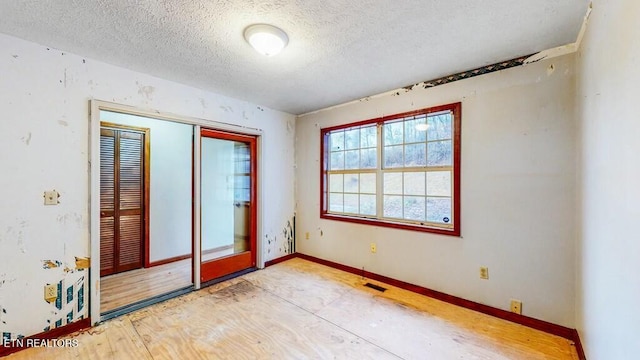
(339, 50)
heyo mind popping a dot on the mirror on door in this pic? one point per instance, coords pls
(146, 191)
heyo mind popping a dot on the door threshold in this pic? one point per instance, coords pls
(227, 277)
(123, 310)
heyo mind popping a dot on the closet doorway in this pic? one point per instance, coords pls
(124, 178)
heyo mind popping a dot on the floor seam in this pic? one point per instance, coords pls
(329, 321)
(141, 339)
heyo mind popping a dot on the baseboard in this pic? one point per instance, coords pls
(537, 324)
(169, 260)
(47, 335)
(281, 259)
(578, 345)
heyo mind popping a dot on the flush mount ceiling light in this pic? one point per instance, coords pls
(266, 39)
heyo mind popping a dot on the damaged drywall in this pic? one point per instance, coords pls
(65, 303)
(50, 148)
(564, 49)
(283, 243)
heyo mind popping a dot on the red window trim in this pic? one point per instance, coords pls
(456, 108)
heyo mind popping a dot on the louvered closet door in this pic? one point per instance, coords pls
(121, 200)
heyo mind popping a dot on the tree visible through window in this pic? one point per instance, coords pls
(400, 171)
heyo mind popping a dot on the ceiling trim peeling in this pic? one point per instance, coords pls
(503, 65)
(522, 60)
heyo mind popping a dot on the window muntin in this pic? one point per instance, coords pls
(396, 170)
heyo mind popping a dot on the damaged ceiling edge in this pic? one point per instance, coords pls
(503, 65)
(564, 49)
(523, 60)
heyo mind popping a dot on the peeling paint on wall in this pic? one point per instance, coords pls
(82, 263)
(67, 304)
(51, 264)
(289, 236)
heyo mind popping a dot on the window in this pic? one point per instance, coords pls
(399, 171)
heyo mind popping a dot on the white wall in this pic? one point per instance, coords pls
(44, 142)
(608, 90)
(518, 197)
(171, 183)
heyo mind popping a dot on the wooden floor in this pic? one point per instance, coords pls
(132, 286)
(302, 310)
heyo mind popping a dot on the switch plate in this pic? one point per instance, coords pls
(51, 197)
(484, 273)
(51, 293)
(516, 306)
(374, 248)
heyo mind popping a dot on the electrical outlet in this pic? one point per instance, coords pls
(484, 273)
(51, 292)
(306, 235)
(374, 248)
(516, 306)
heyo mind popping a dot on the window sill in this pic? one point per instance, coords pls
(391, 224)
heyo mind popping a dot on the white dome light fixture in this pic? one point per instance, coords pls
(266, 39)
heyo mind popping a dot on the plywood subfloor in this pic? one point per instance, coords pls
(132, 286)
(302, 310)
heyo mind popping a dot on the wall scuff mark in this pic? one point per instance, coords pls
(26, 139)
(146, 91)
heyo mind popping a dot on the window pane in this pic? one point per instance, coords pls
(337, 161)
(393, 156)
(367, 204)
(439, 127)
(352, 139)
(335, 183)
(414, 183)
(393, 183)
(414, 208)
(368, 183)
(414, 133)
(439, 153)
(414, 155)
(393, 133)
(392, 206)
(368, 158)
(369, 136)
(439, 183)
(439, 210)
(352, 159)
(335, 202)
(336, 140)
(351, 183)
(351, 203)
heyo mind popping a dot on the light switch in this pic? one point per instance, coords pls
(51, 197)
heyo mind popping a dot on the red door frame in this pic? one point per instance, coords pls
(237, 262)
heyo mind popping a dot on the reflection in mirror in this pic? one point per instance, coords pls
(146, 208)
(226, 195)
